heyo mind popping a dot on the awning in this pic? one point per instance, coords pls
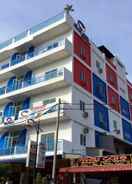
(103, 164)
(98, 169)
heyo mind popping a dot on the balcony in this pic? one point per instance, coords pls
(47, 82)
(49, 117)
(56, 50)
(63, 147)
(46, 30)
(16, 152)
(20, 152)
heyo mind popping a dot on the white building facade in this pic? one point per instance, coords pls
(55, 60)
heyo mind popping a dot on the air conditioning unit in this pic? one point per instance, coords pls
(85, 114)
(85, 130)
(8, 120)
(117, 131)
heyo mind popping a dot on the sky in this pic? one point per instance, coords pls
(108, 22)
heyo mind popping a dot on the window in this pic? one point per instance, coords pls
(101, 118)
(11, 140)
(82, 106)
(82, 140)
(82, 76)
(99, 67)
(48, 140)
(18, 108)
(115, 126)
(100, 90)
(113, 99)
(82, 51)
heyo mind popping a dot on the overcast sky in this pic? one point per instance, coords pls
(108, 22)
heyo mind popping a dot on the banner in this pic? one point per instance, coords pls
(31, 157)
(41, 156)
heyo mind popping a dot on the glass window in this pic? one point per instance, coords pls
(82, 52)
(82, 140)
(48, 140)
(82, 76)
(115, 125)
(82, 106)
(10, 141)
(113, 99)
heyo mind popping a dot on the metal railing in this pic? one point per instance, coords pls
(19, 84)
(32, 30)
(13, 150)
(43, 49)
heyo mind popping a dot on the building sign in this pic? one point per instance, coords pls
(24, 114)
(104, 160)
(80, 27)
(8, 120)
(31, 158)
(41, 156)
(41, 109)
(38, 106)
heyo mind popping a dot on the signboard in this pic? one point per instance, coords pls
(38, 106)
(80, 27)
(41, 156)
(104, 160)
(24, 114)
(34, 154)
(31, 158)
(8, 120)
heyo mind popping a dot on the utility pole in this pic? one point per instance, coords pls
(35, 162)
(56, 143)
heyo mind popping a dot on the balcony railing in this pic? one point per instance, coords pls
(19, 84)
(32, 30)
(13, 150)
(41, 50)
(63, 146)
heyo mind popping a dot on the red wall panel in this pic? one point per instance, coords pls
(82, 49)
(130, 93)
(80, 69)
(111, 77)
(113, 99)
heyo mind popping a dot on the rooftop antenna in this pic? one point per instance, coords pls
(68, 8)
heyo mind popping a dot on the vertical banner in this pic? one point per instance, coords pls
(31, 157)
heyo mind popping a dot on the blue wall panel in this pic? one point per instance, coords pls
(101, 117)
(99, 88)
(127, 130)
(124, 108)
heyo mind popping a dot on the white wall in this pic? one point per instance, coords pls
(113, 116)
(122, 86)
(78, 129)
(97, 57)
(63, 93)
(77, 115)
